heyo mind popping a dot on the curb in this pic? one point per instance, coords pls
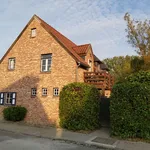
(86, 144)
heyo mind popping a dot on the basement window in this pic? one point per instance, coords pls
(44, 91)
(33, 92)
(55, 91)
(33, 32)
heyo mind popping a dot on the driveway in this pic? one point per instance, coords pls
(13, 141)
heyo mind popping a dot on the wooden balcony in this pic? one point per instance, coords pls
(102, 80)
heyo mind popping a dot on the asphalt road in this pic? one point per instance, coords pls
(13, 141)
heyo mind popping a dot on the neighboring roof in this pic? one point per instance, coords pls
(63, 40)
(104, 67)
(96, 59)
(81, 49)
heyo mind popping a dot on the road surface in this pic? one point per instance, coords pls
(14, 141)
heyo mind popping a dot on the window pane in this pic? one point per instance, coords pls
(44, 62)
(46, 56)
(49, 61)
(43, 68)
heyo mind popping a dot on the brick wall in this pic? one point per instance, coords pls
(27, 74)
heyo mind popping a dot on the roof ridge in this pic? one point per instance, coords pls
(81, 45)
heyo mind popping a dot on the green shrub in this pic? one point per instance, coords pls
(16, 113)
(79, 107)
(141, 77)
(130, 110)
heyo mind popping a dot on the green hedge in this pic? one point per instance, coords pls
(79, 107)
(16, 113)
(130, 110)
(141, 77)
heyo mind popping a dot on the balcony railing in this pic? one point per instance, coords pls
(102, 80)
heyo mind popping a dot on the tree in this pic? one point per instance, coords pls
(138, 34)
(119, 66)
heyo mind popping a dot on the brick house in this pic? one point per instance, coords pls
(36, 67)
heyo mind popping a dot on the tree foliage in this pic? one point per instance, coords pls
(138, 34)
(119, 66)
(122, 66)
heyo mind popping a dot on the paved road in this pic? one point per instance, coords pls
(13, 141)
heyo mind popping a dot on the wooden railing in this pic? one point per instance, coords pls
(102, 80)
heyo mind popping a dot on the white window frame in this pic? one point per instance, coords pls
(33, 91)
(33, 32)
(55, 91)
(44, 91)
(47, 65)
(11, 66)
(90, 64)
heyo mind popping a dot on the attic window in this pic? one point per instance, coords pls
(33, 32)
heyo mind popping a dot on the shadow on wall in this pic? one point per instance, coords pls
(38, 113)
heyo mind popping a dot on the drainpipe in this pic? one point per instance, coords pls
(78, 64)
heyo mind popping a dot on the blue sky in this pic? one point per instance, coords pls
(99, 22)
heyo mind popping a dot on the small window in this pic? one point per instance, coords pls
(11, 63)
(46, 62)
(33, 32)
(56, 91)
(90, 64)
(33, 91)
(44, 91)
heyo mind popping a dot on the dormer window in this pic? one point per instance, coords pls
(33, 32)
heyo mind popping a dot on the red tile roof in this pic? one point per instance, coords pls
(63, 40)
(81, 49)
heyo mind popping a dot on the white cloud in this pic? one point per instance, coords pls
(99, 22)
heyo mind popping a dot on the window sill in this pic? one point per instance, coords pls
(44, 95)
(33, 96)
(9, 104)
(11, 69)
(55, 96)
(45, 72)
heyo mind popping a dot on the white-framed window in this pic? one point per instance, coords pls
(33, 92)
(8, 98)
(44, 91)
(90, 64)
(11, 63)
(56, 91)
(33, 32)
(46, 62)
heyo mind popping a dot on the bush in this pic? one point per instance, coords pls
(130, 110)
(79, 107)
(141, 77)
(16, 113)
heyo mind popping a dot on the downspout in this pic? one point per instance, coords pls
(78, 64)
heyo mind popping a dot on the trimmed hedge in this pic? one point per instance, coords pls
(130, 110)
(16, 113)
(79, 107)
(141, 77)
